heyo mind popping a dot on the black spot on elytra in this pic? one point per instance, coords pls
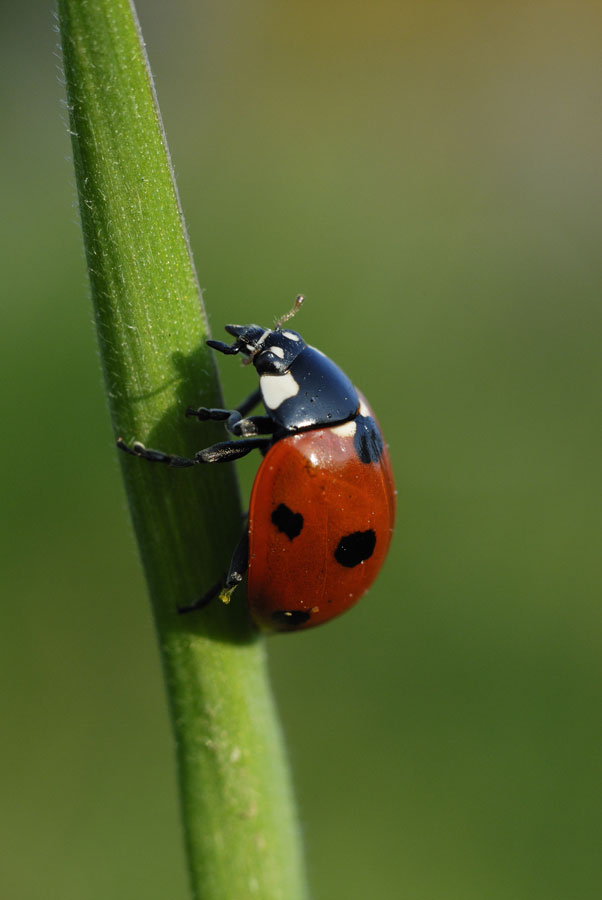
(285, 520)
(368, 440)
(354, 548)
(292, 618)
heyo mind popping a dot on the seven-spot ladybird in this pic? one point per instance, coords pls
(323, 501)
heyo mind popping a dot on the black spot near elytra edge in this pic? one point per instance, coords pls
(354, 548)
(368, 440)
(285, 520)
(290, 618)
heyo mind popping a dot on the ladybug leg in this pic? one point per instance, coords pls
(230, 450)
(227, 349)
(217, 453)
(236, 420)
(203, 414)
(238, 566)
(138, 449)
(204, 600)
(252, 425)
(231, 417)
(249, 402)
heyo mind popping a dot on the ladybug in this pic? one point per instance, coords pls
(322, 505)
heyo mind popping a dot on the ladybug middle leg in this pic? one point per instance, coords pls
(227, 451)
(238, 422)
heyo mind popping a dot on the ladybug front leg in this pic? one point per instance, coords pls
(250, 425)
(238, 567)
(220, 415)
(236, 420)
(253, 425)
(217, 453)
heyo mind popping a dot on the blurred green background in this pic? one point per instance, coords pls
(429, 176)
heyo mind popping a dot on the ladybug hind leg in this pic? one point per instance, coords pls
(224, 588)
(238, 568)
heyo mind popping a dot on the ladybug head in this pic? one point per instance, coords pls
(271, 352)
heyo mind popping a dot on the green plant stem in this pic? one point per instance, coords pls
(236, 799)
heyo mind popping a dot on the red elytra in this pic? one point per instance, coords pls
(317, 475)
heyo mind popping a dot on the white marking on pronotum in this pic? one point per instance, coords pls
(290, 335)
(278, 388)
(277, 351)
(364, 411)
(347, 429)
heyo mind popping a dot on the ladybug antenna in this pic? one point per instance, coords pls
(290, 313)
